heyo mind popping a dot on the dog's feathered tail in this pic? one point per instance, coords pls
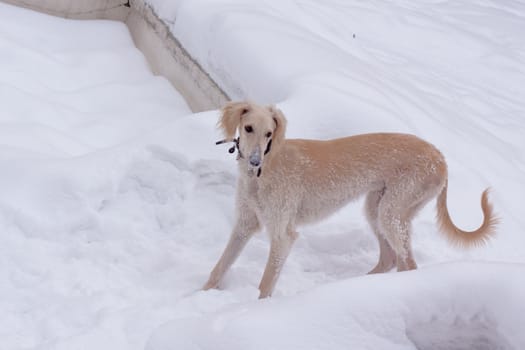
(462, 238)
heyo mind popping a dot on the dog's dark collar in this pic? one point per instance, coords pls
(233, 148)
(239, 153)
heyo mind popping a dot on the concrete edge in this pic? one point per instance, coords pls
(169, 58)
(116, 10)
(164, 53)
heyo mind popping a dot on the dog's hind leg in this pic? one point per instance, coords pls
(281, 244)
(396, 211)
(387, 255)
(247, 224)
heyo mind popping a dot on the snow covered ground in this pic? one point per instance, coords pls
(116, 203)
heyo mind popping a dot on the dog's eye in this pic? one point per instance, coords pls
(268, 134)
(248, 128)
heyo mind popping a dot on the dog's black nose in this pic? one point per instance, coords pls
(255, 158)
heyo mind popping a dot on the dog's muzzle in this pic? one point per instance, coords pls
(255, 159)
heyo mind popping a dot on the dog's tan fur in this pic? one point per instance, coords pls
(303, 181)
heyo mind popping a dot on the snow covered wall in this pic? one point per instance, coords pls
(87, 9)
(165, 54)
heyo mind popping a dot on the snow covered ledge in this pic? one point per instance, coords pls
(163, 51)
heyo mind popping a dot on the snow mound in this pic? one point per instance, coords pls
(455, 306)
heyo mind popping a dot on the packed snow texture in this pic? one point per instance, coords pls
(116, 203)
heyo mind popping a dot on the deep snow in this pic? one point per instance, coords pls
(116, 203)
(445, 307)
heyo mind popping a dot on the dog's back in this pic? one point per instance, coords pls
(329, 174)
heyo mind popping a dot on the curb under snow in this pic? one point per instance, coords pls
(164, 53)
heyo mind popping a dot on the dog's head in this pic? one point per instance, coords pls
(261, 130)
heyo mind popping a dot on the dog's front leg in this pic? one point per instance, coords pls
(247, 224)
(281, 244)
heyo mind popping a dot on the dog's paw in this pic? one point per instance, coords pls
(211, 285)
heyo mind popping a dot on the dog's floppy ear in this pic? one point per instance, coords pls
(231, 117)
(280, 126)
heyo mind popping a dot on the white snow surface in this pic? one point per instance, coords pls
(116, 203)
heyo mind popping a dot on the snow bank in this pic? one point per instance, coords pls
(449, 306)
(75, 181)
(80, 92)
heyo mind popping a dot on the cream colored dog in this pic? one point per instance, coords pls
(286, 183)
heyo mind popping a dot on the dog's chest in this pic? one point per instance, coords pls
(263, 197)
